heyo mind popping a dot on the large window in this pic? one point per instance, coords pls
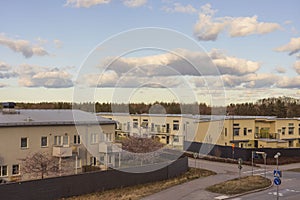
(94, 138)
(225, 133)
(76, 139)
(236, 131)
(61, 140)
(15, 170)
(245, 131)
(3, 170)
(24, 142)
(44, 141)
(135, 123)
(58, 140)
(175, 125)
(283, 130)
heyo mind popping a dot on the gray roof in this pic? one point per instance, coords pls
(51, 117)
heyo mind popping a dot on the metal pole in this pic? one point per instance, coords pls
(252, 162)
(265, 159)
(277, 188)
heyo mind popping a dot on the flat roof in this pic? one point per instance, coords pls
(35, 117)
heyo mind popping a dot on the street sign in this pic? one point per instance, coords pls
(277, 181)
(240, 167)
(277, 173)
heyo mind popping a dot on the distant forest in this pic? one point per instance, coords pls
(280, 106)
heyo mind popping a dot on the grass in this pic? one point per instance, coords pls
(139, 191)
(237, 186)
(294, 170)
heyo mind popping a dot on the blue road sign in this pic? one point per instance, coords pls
(277, 173)
(277, 181)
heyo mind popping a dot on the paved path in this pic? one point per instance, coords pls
(195, 190)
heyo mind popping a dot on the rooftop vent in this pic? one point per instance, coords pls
(9, 108)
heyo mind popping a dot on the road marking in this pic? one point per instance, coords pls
(275, 194)
(222, 197)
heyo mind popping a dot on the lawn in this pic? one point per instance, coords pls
(237, 186)
(140, 191)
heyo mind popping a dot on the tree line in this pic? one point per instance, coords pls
(275, 106)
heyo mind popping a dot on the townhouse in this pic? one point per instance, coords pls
(75, 137)
(237, 131)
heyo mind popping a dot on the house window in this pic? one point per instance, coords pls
(3, 170)
(291, 130)
(236, 131)
(152, 127)
(44, 141)
(94, 138)
(176, 138)
(15, 170)
(175, 125)
(249, 130)
(236, 124)
(135, 123)
(245, 131)
(225, 133)
(107, 137)
(290, 143)
(58, 140)
(93, 161)
(76, 139)
(24, 142)
(283, 130)
(65, 140)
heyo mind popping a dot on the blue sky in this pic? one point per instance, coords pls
(44, 45)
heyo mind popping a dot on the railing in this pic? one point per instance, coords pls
(60, 151)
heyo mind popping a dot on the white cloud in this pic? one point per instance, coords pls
(208, 27)
(85, 3)
(22, 46)
(4, 66)
(233, 65)
(288, 82)
(36, 76)
(58, 44)
(280, 70)
(177, 7)
(250, 80)
(297, 67)
(182, 62)
(292, 47)
(134, 3)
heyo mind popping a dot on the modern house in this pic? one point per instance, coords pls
(238, 131)
(75, 137)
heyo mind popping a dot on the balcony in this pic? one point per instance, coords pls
(62, 152)
(107, 147)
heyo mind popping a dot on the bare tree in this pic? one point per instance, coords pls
(40, 164)
(142, 150)
(141, 145)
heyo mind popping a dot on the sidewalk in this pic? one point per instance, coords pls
(195, 190)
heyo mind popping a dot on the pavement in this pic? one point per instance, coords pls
(195, 190)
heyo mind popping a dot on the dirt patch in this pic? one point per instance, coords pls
(237, 186)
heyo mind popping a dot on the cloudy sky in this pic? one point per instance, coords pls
(47, 50)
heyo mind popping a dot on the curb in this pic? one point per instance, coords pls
(250, 192)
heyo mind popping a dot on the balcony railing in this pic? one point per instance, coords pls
(59, 151)
(107, 147)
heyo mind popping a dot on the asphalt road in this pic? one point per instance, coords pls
(195, 190)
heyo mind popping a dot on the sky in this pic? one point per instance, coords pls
(217, 52)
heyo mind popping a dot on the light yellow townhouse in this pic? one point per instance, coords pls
(168, 129)
(82, 142)
(240, 131)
